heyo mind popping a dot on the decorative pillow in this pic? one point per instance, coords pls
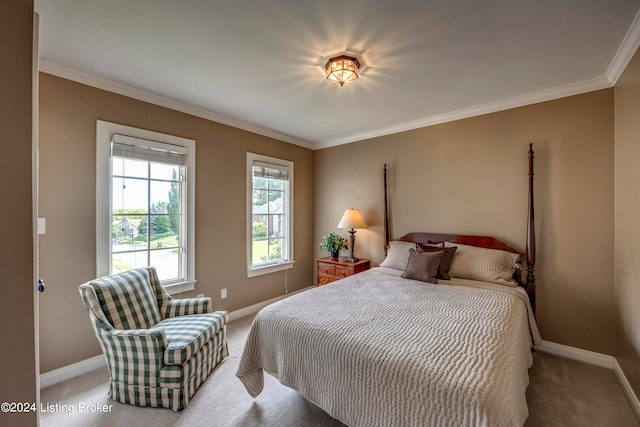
(487, 265)
(422, 266)
(398, 254)
(445, 261)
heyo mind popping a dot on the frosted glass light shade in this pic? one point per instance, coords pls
(342, 69)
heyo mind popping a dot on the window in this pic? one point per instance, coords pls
(145, 206)
(269, 214)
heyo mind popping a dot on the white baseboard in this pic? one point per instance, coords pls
(626, 387)
(574, 353)
(233, 315)
(597, 359)
(67, 372)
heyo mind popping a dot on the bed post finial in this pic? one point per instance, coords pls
(531, 238)
(386, 216)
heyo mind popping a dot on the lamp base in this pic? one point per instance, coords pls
(352, 244)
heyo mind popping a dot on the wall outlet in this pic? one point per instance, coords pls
(200, 296)
(223, 293)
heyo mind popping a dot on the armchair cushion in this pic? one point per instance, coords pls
(187, 334)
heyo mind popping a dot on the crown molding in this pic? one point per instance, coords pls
(625, 52)
(492, 107)
(92, 80)
(623, 57)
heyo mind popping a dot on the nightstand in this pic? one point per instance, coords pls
(332, 269)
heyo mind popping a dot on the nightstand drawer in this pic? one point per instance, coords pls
(332, 269)
(326, 269)
(343, 272)
(324, 280)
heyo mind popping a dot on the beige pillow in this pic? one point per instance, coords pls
(398, 254)
(422, 266)
(486, 265)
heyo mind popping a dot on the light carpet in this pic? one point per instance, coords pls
(562, 392)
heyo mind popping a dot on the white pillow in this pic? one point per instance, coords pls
(486, 265)
(398, 254)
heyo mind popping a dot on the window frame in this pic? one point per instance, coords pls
(104, 134)
(289, 238)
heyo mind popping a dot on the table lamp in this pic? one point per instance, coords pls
(352, 218)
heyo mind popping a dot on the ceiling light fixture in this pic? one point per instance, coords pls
(342, 69)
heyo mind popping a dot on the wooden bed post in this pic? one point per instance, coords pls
(386, 215)
(482, 241)
(531, 239)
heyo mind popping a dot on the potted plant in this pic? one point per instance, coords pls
(333, 243)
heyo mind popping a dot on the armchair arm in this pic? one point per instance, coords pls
(181, 307)
(134, 356)
(130, 343)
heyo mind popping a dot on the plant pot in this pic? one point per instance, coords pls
(335, 254)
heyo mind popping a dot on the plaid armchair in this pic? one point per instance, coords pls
(158, 350)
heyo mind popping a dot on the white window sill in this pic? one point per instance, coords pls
(259, 271)
(176, 288)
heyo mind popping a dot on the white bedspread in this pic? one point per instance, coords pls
(378, 350)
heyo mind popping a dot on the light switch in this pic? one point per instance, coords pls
(41, 225)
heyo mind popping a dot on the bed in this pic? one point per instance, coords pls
(380, 349)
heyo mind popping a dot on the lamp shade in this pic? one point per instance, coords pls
(352, 218)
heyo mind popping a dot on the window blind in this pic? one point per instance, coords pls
(268, 170)
(140, 149)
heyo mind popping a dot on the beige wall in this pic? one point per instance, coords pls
(17, 357)
(466, 177)
(627, 206)
(470, 177)
(68, 114)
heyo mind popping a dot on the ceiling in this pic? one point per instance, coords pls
(259, 65)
